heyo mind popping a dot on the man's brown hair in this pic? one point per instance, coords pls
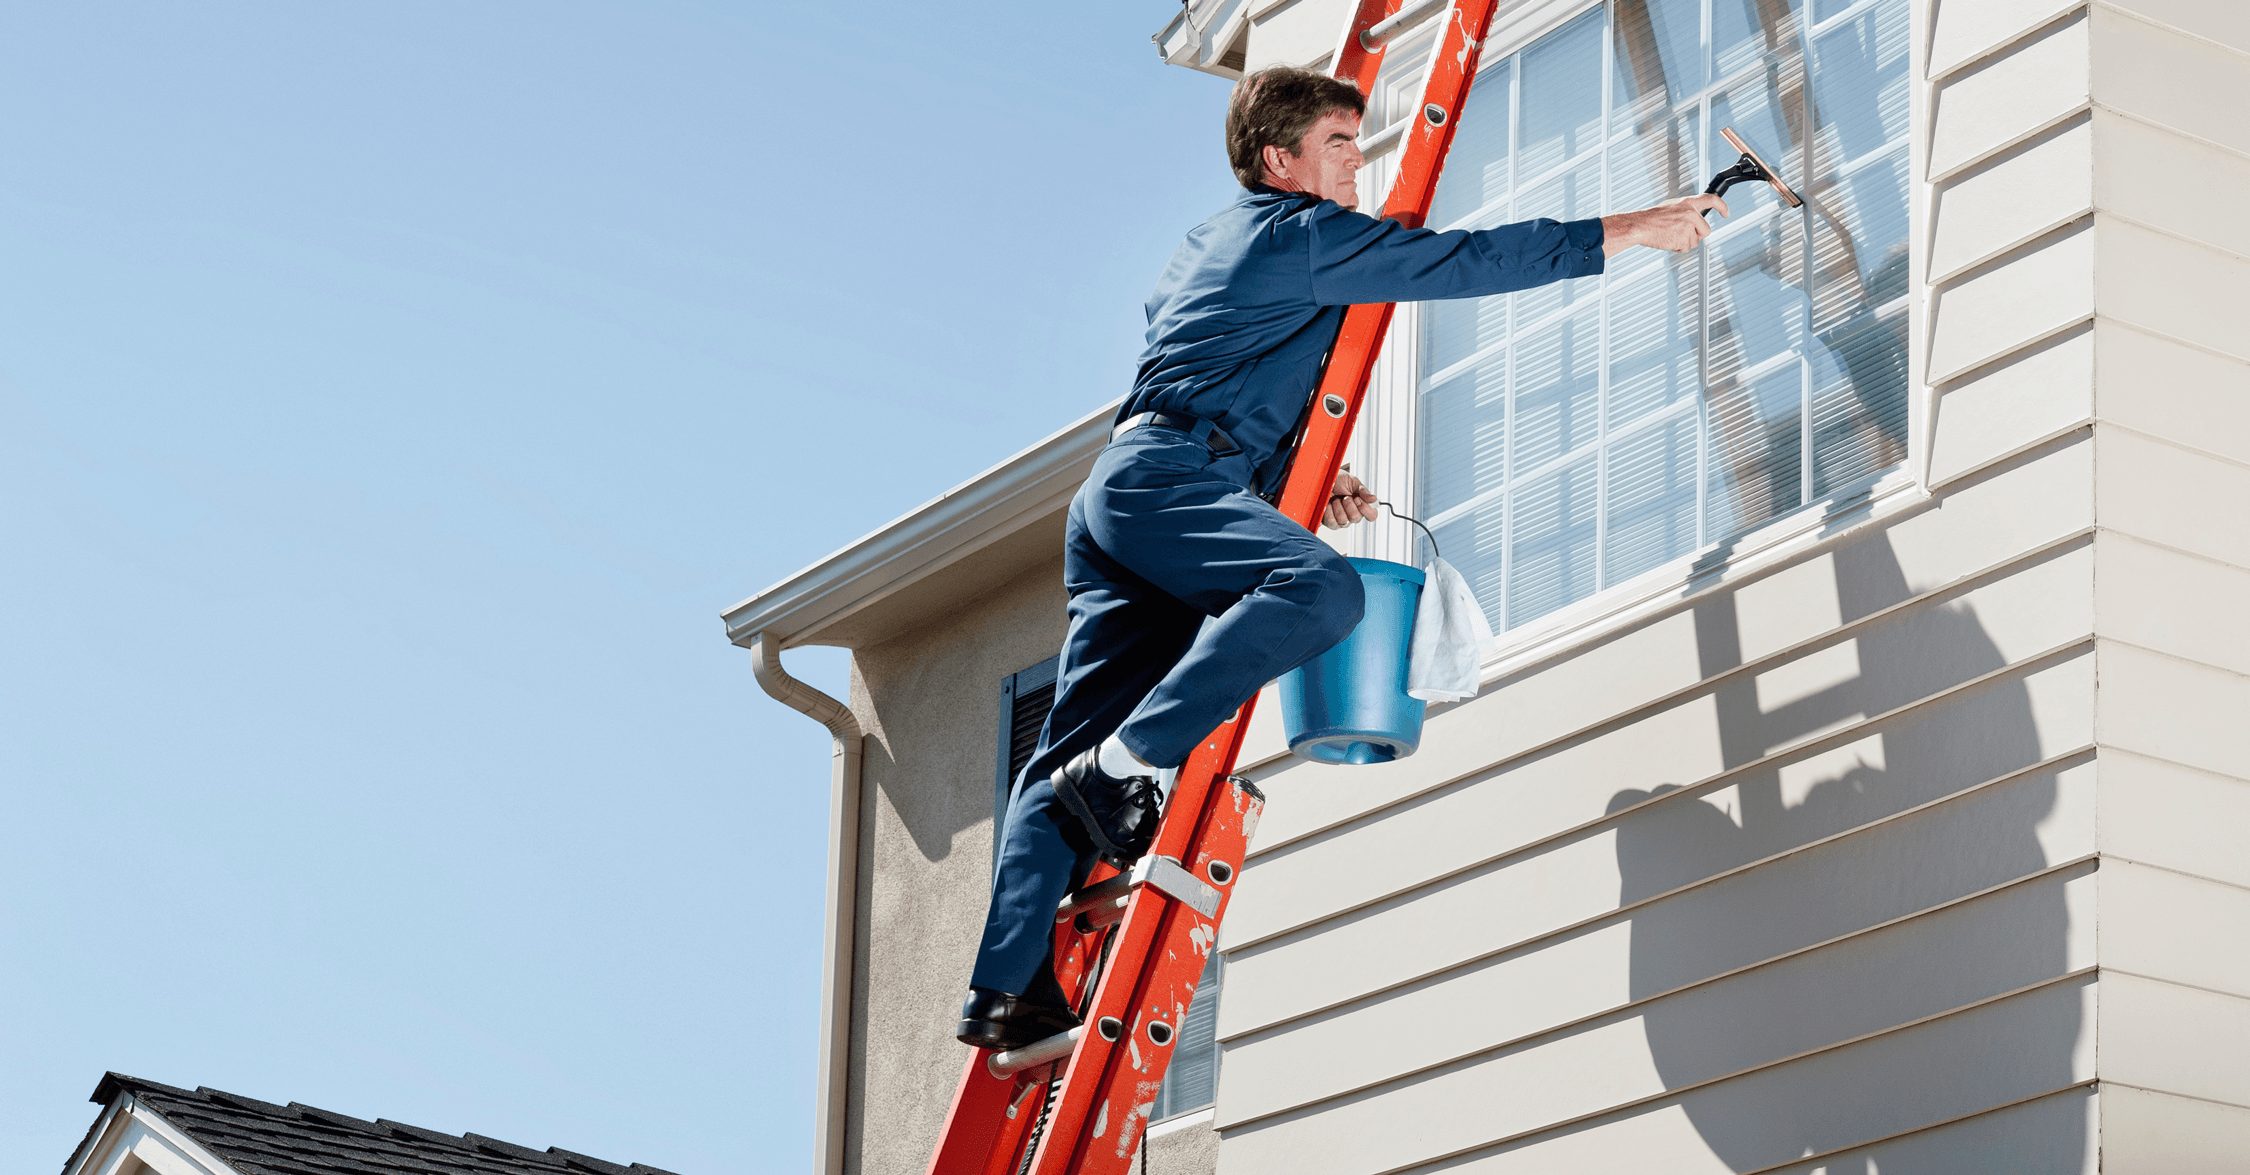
(1274, 108)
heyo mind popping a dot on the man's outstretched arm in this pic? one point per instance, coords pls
(1358, 259)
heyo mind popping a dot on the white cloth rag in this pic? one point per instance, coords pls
(1451, 638)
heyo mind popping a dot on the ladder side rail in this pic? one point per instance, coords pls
(1156, 960)
(1159, 947)
(1162, 955)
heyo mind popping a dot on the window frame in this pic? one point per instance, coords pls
(1392, 445)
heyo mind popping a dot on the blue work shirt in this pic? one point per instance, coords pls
(1245, 313)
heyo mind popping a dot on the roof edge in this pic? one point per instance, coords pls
(941, 532)
(1206, 36)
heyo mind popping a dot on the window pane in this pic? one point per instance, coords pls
(1758, 303)
(1477, 165)
(1462, 433)
(1562, 96)
(1655, 356)
(1859, 401)
(1472, 543)
(1744, 30)
(1859, 238)
(1656, 162)
(1649, 512)
(1859, 86)
(1558, 387)
(1659, 58)
(1551, 553)
(1764, 108)
(1675, 400)
(1192, 1079)
(1756, 441)
(1456, 328)
(1567, 195)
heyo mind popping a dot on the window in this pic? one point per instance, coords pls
(1192, 1081)
(1575, 436)
(1025, 698)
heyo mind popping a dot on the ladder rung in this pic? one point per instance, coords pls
(1039, 1052)
(1381, 30)
(1104, 901)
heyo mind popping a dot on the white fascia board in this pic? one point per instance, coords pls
(92, 1154)
(1199, 36)
(947, 529)
(129, 1129)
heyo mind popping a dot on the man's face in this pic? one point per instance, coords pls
(1326, 163)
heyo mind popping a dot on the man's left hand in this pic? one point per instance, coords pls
(1351, 501)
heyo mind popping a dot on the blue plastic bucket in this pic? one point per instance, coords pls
(1349, 705)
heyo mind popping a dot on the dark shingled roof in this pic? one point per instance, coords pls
(261, 1138)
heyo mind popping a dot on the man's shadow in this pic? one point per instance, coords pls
(1974, 838)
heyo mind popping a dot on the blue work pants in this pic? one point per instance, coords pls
(1188, 593)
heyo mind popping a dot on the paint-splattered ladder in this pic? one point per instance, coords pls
(1131, 946)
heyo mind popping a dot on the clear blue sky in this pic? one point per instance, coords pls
(391, 396)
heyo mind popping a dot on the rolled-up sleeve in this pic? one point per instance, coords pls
(1358, 258)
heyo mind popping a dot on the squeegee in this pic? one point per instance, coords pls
(1750, 167)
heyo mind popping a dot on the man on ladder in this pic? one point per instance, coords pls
(1188, 590)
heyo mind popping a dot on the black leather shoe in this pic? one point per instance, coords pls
(1120, 815)
(997, 1020)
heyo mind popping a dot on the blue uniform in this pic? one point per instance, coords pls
(1188, 591)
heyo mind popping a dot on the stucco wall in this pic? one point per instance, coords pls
(929, 703)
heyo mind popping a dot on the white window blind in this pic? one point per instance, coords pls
(1575, 436)
(1191, 1082)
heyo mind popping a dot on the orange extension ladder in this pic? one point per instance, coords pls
(1130, 947)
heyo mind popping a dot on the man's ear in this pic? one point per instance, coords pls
(1274, 159)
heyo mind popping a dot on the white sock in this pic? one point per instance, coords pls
(1119, 762)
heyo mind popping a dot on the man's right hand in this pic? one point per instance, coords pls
(1676, 227)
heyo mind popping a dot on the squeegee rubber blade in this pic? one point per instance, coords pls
(1788, 195)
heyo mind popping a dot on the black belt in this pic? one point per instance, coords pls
(1203, 430)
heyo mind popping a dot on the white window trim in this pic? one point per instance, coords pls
(1815, 525)
(130, 1136)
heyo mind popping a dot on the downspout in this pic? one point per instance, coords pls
(843, 891)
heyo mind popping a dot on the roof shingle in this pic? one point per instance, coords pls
(261, 1138)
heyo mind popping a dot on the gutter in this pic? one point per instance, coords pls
(829, 1098)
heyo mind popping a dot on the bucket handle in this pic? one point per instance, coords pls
(1434, 556)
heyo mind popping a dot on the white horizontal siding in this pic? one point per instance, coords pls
(2026, 296)
(2163, 76)
(2020, 90)
(2172, 287)
(1934, 1071)
(2163, 813)
(2037, 186)
(2167, 181)
(1792, 706)
(2149, 1133)
(2226, 22)
(2172, 1038)
(1630, 675)
(2162, 493)
(1798, 868)
(2190, 398)
(1962, 35)
(2163, 924)
(2049, 1135)
(1991, 941)
(2033, 396)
